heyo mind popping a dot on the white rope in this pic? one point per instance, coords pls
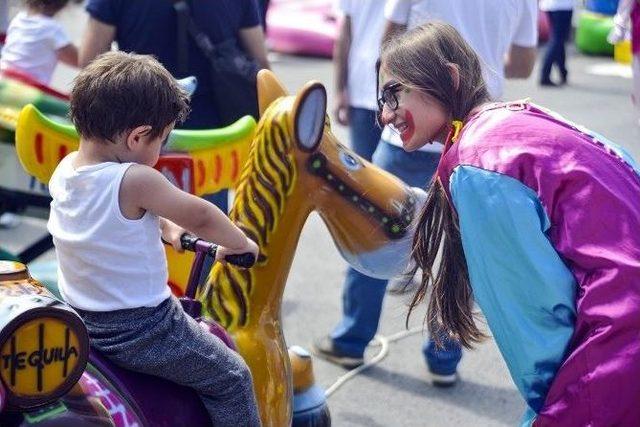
(383, 342)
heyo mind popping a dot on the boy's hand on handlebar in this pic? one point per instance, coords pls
(250, 247)
(171, 233)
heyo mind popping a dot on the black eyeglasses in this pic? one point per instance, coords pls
(389, 97)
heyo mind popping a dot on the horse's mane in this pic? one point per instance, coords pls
(267, 179)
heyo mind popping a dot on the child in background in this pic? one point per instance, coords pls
(537, 220)
(108, 213)
(35, 41)
(628, 19)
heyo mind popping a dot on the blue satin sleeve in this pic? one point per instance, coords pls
(523, 288)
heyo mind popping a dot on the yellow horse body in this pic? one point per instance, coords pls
(296, 166)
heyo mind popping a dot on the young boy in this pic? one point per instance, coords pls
(109, 210)
(35, 42)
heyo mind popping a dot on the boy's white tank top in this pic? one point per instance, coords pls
(105, 261)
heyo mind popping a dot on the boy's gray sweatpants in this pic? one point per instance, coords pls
(166, 342)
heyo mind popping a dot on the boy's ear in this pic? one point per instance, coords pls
(454, 70)
(136, 136)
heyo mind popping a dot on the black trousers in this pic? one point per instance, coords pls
(556, 54)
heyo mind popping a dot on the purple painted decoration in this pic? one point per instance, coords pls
(157, 402)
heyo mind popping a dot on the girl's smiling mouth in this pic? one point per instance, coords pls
(406, 128)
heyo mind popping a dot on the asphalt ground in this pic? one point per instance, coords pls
(396, 392)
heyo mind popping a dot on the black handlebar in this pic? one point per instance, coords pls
(192, 243)
(188, 242)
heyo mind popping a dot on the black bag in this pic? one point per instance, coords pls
(233, 72)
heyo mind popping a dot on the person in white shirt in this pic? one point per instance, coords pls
(109, 210)
(504, 34)
(627, 25)
(560, 13)
(355, 54)
(35, 42)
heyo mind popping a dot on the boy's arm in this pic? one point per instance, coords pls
(171, 233)
(145, 188)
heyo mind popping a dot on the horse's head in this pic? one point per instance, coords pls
(368, 211)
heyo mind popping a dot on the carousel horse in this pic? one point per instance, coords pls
(295, 166)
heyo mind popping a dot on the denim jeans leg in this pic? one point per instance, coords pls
(564, 21)
(361, 295)
(442, 360)
(361, 307)
(364, 131)
(560, 28)
(415, 169)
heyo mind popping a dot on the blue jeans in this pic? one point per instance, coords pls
(556, 53)
(362, 295)
(364, 131)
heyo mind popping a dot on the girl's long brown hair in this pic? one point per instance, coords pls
(422, 59)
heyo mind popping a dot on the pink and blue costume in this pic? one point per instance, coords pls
(549, 215)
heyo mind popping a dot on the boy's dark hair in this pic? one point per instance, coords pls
(119, 91)
(48, 7)
(422, 59)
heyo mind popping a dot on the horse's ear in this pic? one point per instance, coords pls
(269, 89)
(309, 112)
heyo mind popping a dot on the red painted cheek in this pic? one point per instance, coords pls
(411, 128)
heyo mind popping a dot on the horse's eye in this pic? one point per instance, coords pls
(350, 161)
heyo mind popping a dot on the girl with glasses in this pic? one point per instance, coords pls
(536, 219)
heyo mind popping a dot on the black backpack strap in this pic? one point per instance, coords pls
(202, 40)
(182, 12)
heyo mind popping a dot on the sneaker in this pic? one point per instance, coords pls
(403, 284)
(325, 349)
(442, 362)
(9, 220)
(563, 77)
(443, 380)
(547, 83)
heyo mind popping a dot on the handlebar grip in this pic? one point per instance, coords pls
(245, 260)
(188, 242)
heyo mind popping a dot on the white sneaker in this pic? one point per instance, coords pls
(403, 284)
(9, 220)
(439, 380)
